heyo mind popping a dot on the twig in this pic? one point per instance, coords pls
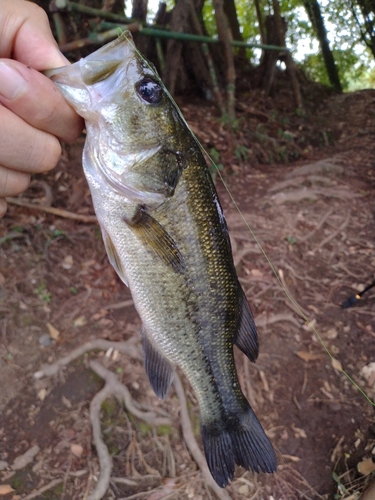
(97, 344)
(275, 318)
(47, 487)
(51, 210)
(320, 224)
(191, 442)
(112, 387)
(335, 233)
(119, 305)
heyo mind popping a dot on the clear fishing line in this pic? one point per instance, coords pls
(337, 366)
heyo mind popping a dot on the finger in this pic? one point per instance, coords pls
(25, 148)
(3, 207)
(26, 36)
(12, 182)
(33, 97)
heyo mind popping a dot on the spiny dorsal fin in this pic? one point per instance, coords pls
(246, 338)
(159, 370)
(113, 256)
(156, 238)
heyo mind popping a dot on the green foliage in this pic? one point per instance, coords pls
(43, 294)
(215, 165)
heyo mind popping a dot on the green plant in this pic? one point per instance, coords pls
(43, 293)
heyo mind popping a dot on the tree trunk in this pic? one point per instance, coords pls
(184, 61)
(260, 21)
(225, 38)
(367, 29)
(231, 13)
(313, 11)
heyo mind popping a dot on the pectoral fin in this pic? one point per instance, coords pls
(247, 337)
(159, 370)
(113, 257)
(156, 238)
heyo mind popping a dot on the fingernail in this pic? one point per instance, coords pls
(11, 81)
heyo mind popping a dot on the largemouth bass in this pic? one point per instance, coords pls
(166, 236)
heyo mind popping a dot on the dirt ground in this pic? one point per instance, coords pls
(313, 215)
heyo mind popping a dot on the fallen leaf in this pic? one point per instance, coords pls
(76, 449)
(53, 332)
(5, 489)
(368, 373)
(42, 394)
(366, 466)
(308, 356)
(331, 334)
(336, 365)
(67, 263)
(80, 321)
(66, 402)
(243, 489)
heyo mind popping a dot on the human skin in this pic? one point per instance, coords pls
(34, 117)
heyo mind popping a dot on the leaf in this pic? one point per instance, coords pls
(76, 449)
(5, 489)
(80, 321)
(308, 356)
(53, 332)
(336, 365)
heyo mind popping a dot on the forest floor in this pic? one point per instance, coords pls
(314, 217)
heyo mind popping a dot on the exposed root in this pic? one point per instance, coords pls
(51, 210)
(97, 344)
(191, 442)
(45, 488)
(335, 233)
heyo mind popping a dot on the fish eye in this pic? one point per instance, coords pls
(149, 91)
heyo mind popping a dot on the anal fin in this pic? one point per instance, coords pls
(246, 338)
(159, 370)
(157, 240)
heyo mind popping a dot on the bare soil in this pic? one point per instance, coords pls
(316, 225)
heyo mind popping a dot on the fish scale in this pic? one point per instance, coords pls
(166, 236)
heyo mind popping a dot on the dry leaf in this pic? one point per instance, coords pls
(42, 394)
(331, 334)
(366, 466)
(5, 489)
(308, 356)
(76, 449)
(336, 365)
(53, 332)
(80, 321)
(67, 263)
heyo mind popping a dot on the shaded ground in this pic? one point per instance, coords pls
(316, 226)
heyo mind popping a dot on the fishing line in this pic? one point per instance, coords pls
(335, 363)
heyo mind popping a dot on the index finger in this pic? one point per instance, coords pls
(26, 35)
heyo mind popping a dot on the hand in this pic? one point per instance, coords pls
(33, 113)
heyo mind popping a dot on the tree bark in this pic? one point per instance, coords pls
(225, 38)
(313, 11)
(231, 13)
(367, 29)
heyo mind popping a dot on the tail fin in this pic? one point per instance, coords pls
(241, 440)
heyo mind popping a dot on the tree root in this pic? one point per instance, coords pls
(191, 442)
(97, 344)
(44, 488)
(113, 387)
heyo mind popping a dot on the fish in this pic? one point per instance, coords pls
(166, 236)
